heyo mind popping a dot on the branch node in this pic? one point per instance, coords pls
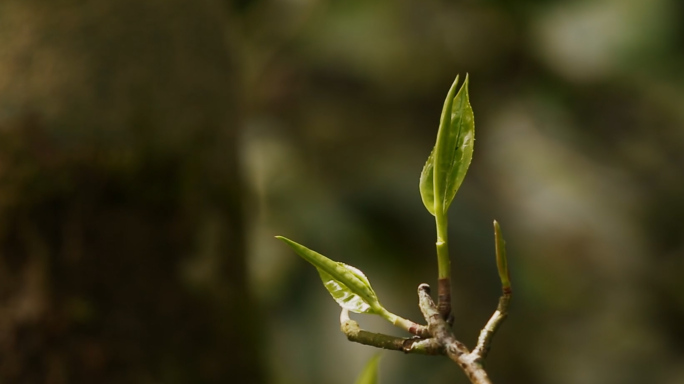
(444, 297)
(414, 344)
(424, 287)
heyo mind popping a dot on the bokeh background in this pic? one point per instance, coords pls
(150, 150)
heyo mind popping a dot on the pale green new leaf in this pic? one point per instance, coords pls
(453, 151)
(346, 284)
(344, 296)
(427, 187)
(460, 144)
(369, 375)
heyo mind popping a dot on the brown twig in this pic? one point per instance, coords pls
(440, 340)
(418, 345)
(457, 351)
(487, 333)
(444, 298)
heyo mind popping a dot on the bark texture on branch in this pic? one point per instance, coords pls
(457, 351)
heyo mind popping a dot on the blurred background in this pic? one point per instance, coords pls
(150, 150)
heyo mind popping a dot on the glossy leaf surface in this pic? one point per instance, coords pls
(450, 159)
(346, 284)
(427, 187)
(344, 296)
(369, 375)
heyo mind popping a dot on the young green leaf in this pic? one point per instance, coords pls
(427, 187)
(346, 284)
(460, 150)
(369, 375)
(345, 296)
(448, 163)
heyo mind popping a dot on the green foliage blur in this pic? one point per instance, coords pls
(369, 375)
(579, 111)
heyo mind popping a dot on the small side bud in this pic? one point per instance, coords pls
(501, 259)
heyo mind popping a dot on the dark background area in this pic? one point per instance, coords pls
(150, 150)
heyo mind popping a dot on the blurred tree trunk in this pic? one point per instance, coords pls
(121, 245)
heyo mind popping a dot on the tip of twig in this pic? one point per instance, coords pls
(424, 287)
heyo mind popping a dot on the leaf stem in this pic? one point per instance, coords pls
(444, 266)
(443, 261)
(405, 324)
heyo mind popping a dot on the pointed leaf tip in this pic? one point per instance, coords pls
(347, 285)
